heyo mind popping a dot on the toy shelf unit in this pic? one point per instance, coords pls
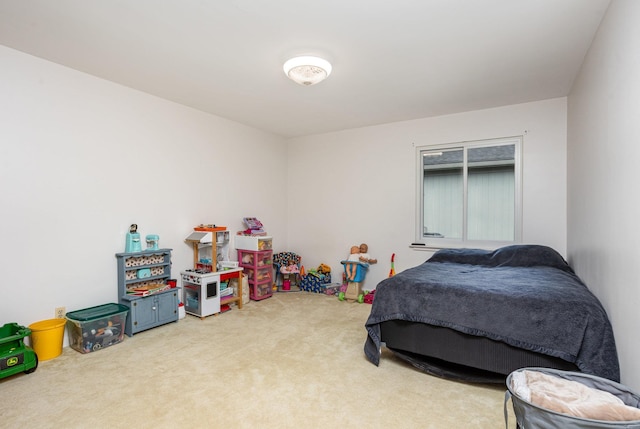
(143, 288)
(202, 296)
(210, 247)
(258, 265)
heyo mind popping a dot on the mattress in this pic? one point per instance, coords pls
(455, 355)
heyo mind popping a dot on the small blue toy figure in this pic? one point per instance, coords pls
(133, 240)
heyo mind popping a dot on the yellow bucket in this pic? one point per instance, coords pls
(47, 337)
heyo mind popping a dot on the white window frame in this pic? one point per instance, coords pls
(422, 242)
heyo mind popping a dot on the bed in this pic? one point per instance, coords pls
(478, 315)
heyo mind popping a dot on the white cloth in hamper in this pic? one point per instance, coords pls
(570, 397)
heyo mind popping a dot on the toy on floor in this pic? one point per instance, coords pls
(288, 271)
(369, 296)
(15, 355)
(352, 291)
(355, 268)
(393, 270)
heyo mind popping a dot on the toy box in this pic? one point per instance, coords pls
(315, 283)
(97, 327)
(332, 288)
(253, 242)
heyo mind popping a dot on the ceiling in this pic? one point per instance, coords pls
(392, 60)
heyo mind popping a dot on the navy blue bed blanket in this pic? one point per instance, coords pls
(524, 295)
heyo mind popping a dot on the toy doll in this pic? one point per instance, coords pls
(247, 258)
(354, 256)
(364, 256)
(290, 268)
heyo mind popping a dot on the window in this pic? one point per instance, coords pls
(469, 193)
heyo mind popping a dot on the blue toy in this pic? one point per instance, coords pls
(152, 241)
(354, 287)
(355, 269)
(132, 243)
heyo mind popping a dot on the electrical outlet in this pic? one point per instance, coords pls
(60, 312)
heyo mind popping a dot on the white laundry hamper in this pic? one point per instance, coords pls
(531, 416)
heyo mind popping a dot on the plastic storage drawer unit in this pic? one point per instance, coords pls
(97, 327)
(252, 242)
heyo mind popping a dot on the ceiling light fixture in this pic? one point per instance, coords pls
(307, 70)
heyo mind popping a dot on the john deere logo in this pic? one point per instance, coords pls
(12, 361)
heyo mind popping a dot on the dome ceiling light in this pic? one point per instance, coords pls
(307, 70)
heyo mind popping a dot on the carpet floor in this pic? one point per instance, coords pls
(293, 360)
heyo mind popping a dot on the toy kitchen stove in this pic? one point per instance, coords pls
(201, 291)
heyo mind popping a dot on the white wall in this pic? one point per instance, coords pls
(359, 185)
(603, 171)
(82, 158)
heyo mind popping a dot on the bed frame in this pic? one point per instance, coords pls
(455, 355)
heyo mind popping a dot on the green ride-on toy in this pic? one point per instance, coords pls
(15, 355)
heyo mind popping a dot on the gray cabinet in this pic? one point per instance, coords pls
(151, 311)
(142, 280)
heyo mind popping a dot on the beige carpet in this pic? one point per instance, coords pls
(294, 360)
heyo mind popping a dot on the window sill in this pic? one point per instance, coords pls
(457, 245)
(421, 246)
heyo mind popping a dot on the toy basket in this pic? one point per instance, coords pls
(532, 416)
(47, 337)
